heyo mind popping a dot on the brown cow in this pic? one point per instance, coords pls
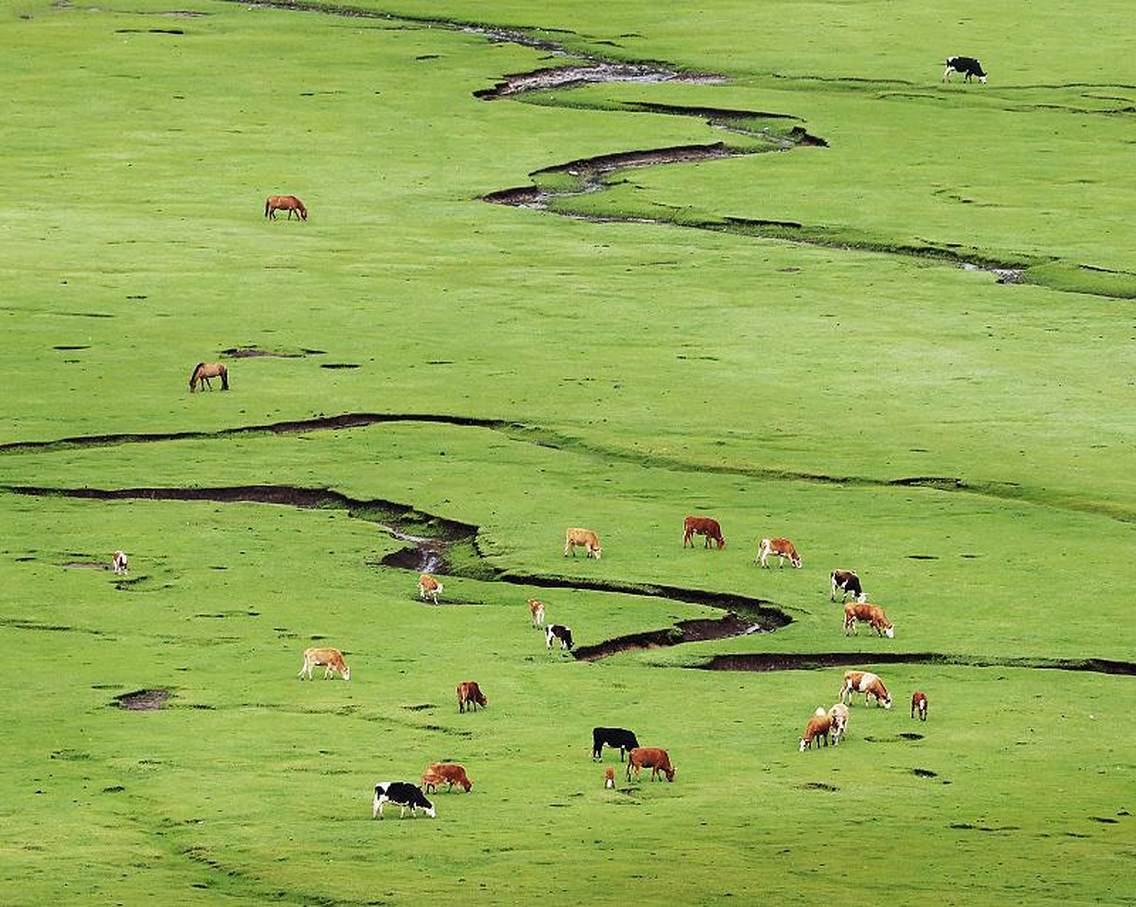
(868, 684)
(449, 772)
(428, 587)
(818, 728)
(331, 659)
(650, 757)
(536, 609)
(582, 538)
(919, 704)
(869, 614)
(469, 693)
(702, 525)
(609, 777)
(783, 548)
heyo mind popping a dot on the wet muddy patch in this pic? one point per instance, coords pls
(924, 773)
(148, 700)
(819, 785)
(683, 631)
(768, 661)
(339, 365)
(253, 352)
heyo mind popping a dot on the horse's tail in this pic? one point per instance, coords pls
(267, 203)
(193, 374)
(224, 378)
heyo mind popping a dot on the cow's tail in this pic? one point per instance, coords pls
(266, 205)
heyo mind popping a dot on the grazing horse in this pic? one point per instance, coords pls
(288, 203)
(203, 371)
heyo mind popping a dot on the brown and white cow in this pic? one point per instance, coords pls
(650, 757)
(869, 614)
(781, 547)
(536, 609)
(919, 704)
(867, 683)
(469, 694)
(849, 584)
(119, 563)
(582, 538)
(331, 659)
(449, 773)
(560, 632)
(818, 728)
(609, 778)
(702, 525)
(428, 587)
(839, 714)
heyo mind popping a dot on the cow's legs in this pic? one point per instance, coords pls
(947, 74)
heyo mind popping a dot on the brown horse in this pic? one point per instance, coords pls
(203, 371)
(288, 203)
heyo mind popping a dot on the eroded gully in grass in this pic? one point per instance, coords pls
(554, 440)
(431, 537)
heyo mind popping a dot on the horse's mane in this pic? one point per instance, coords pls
(195, 368)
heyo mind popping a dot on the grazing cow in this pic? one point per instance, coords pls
(469, 693)
(609, 778)
(582, 538)
(849, 584)
(119, 563)
(783, 548)
(919, 704)
(561, 632)
(402, 794)
(968, 66)
(615, 737)
(818, 728)
(870, 614)
(331, 659)
(866, 683)
(536, 609)
(428, 587)
(449, 772)
(839, 714)
(702, 525)
(650, 757)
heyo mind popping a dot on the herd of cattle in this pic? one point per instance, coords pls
(823, 726)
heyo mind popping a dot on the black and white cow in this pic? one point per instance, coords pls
(615, 737)
(968, 66)
(849, 584)
(402, 794)
(561, 632)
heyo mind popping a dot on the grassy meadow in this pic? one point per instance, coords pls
(965, 445)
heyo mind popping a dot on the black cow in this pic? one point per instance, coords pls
(848, 583)
(615, 737)
(561, 632)
(968, 66)
(402, 794)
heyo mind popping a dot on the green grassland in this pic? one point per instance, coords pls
(966, 445)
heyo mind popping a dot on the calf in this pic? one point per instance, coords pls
(817, 729)
(919, 704)
(469, 694)
(119, 563)
(402, 794)
(650, 757)
(839, 714)
(536, 609)
(783, 548)
(868, 684)
(428, 587)
(702, 525)
(582, 538)
(561, 632)
(615, 737)
(848, 583)
(968, 66)
(449, 772)
(331, 659)
(609, 778)
(870, 614)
